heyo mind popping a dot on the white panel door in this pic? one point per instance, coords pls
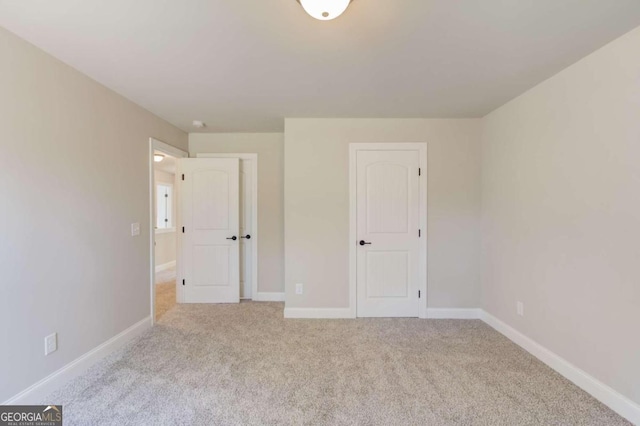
(211, 239)
(247, 236)
(387, 214)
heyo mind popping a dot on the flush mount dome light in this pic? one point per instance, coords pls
(158, 157)
(325, 10)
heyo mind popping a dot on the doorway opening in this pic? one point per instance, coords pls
(164, 219)
(194, 203)
(164, 171)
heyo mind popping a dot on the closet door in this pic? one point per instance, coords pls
(388, 209)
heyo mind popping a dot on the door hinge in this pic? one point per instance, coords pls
(183, 229)
(419, 171)
(183, 176)
(182, 282)
(418, 294)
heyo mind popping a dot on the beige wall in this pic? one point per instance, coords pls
(270, 150)
(317, 206)
(165, 248)
(165, 241)
(561, 214)
(68, 261)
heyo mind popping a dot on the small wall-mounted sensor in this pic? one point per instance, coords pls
(198, 124)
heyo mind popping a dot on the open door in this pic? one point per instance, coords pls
(210, 212)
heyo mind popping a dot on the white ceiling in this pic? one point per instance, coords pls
(244, 65)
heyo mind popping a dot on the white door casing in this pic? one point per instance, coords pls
(388, 215)
(248, 220)
(210, 217)
(247, 236)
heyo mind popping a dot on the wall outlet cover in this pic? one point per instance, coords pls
(299, 288)
(51, 343)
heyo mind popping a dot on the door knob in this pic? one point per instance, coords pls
(363, 242)
(233, 238)
(248, 237)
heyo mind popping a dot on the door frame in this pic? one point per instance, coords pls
(157, 145)
(421, 147)
(254, 222)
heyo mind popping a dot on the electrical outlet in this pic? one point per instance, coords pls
(51, 343)
(520, 308)
(135, 229)
(299, 288)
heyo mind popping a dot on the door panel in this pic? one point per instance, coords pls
(212, 189)
(387, 198)
(387, 214)
(387, 274)
(210, 214)
(211, 266)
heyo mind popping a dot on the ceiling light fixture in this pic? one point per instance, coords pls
(158, 157)
(324, 10)
(198, 124)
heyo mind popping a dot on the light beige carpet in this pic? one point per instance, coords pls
(165, 298)
(165, 291)
(245, 365)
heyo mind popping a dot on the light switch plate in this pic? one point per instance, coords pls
(135, 229)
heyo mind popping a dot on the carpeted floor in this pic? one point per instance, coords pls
(165, 291)
(244, 364)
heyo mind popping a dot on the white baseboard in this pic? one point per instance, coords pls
(268, 297)
(453, 313)
(603, 393)
(36, 392)
(318, 313)
(165, 266)
(432, 313)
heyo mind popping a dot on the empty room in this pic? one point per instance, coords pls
(320, 212)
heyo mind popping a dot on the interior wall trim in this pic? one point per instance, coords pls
(35, 393)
